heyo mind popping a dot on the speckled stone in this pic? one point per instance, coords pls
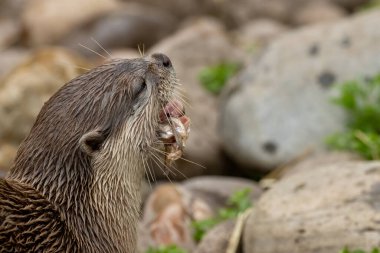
(280, 107)
(320, 210)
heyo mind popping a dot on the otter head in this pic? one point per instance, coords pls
(98, 124)
(129, 105)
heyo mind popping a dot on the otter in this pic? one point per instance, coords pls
(75, 182)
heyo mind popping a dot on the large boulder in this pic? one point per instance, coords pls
(320, 210)
(280, 105)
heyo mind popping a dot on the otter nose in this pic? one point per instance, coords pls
(163, 59)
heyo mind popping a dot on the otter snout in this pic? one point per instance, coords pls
(163, 60)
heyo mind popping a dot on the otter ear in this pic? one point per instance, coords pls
(92, 142)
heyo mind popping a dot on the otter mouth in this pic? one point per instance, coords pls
(173, 130)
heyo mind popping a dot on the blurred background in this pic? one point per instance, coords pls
(284, 98)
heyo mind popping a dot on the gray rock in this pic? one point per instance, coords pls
(310, 161)
(180, 8)
(48, 21)
(319, 11)
(11, 8)
(216, 240)
(131, 25)
(238, 12)
(321, 210)
(10, 30)
(258, 33)
(216, 190)
(350, 4)
(202, 43)
(280, 105)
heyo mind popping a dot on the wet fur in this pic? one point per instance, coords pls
(80, 201)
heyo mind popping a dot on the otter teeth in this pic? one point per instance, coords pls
(165, 132)
(173, 130)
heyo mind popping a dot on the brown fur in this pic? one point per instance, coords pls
(75, 183)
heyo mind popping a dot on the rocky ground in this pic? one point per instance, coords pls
(268, 123)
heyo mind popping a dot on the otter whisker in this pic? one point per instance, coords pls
(181, 98)
(146, 168)
(158, 159)
(152, 173)
(179, 86)
(165, 153)
(163, 171)
(180, 95)
(180, 91)
(168, 168)
(171, 167)
(177, 81)
(189, 161)
(141, 51)
(79, 67)
(176, 108)
(94, 40)
(91, 50)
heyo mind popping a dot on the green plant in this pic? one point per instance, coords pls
(346, 250)
(238, 202)
(166, 249)
(213, 78)
(361, 101)
(370, 5)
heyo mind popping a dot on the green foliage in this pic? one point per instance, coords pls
(372, 4)
(202, 226)
(236, 204)
(214, 78)
(166, 249)
(346, 250)
(361, 100)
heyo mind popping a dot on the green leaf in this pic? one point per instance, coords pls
(361, 100)
(202, 226)
(346, 250)
(166, 249)
(214, 78)
(370, 5)
(238, 202)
